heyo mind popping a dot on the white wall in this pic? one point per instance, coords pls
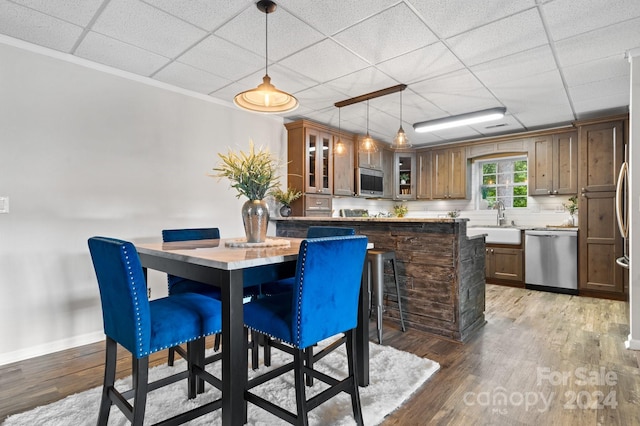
(85, 152)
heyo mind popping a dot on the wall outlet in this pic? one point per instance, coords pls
(4, 204)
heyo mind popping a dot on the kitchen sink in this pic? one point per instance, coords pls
(497, 234)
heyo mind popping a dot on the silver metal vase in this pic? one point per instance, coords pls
(255, 216)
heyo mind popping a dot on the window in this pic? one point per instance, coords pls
(505, 180)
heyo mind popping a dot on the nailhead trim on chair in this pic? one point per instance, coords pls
(137, 313)
(299, 319)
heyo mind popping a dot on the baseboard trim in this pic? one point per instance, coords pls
(50, 347)
(633, 344)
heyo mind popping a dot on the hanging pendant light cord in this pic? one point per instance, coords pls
(266, 43)
(400, 109)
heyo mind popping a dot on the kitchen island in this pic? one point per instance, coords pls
(441, 270)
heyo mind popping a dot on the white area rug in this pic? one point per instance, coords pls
(395, 375)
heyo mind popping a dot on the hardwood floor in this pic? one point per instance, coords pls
(541, 359)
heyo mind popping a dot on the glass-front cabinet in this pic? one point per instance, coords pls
(404, 175)
(319, 168)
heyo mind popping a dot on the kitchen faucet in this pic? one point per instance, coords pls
(502, 220)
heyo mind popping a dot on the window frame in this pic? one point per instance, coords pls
(507, 194)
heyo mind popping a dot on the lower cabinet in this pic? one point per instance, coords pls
(504, 264)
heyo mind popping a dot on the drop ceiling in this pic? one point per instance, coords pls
(549, 62)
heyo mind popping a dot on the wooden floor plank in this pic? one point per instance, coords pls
(529, 338)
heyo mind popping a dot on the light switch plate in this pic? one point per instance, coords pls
(4, 204)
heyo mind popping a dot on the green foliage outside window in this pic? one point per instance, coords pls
(505, 180)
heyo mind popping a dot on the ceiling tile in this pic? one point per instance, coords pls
(324, 61)
(105, 50)
(598, 44)
(505, 37)
(35, 27)
(76, 12)
(603, 88)
(144, 26)
(190, 78)
(516, 66)
(567, 18)
(248, 30)
(450, 17)
(597, 70)
(331, 16)
(421, 64)
(361, 82)
(206, 14)
(589, 107)
(319, 97)
(507, 124)
(222, 58)
(399, 24)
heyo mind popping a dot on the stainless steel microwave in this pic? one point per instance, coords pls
(369, 182)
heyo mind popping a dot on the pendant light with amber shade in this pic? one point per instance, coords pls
(367, 144)
(339, 147)
(266, 98)
(401, 140)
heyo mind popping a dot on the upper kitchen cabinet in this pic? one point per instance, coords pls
(370, 159)
(553, 164)
(424, 179)
(449, 173)
(343, 165)
(310, 167)
(404, 175)
(387, 170)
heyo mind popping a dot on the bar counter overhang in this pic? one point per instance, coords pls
(441, 270)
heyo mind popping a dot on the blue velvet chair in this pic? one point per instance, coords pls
(323, 303)
(144, 327)
(285, 285)
(179, 285)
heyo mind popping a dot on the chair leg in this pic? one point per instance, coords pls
(267, 350)
(109, 379)
(171, 357)
(353, 372)
(216, 342)
(377, 270)
(308, 361)
(395, 277)
(140, 382)
(301, 398)
(255, 350)
(195, 356)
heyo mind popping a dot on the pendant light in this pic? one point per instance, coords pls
(339, 148)
(266, 98)
(367, 144)
(401, 140)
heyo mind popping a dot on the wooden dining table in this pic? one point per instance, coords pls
(231, 268)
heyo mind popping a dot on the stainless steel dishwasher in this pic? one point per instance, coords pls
(551, 260)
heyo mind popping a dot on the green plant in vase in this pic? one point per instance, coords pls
(253, 175)
(404, 178)
(286, 198)
(400, 210)
(572, 207)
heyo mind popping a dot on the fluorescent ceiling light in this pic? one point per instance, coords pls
(460, 120)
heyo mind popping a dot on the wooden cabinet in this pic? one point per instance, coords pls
(343, 166)
(504, 265)
(449, 173)
(387, 169)
(310, 166)
(424, 178)
(404, 175)
(370, 159)
(601, 152)
(553, 164)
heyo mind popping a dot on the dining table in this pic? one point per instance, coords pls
(231, 265)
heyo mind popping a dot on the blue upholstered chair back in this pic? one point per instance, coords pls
(327, 287)
(329, 231)
(123, 293)
(173, 235)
